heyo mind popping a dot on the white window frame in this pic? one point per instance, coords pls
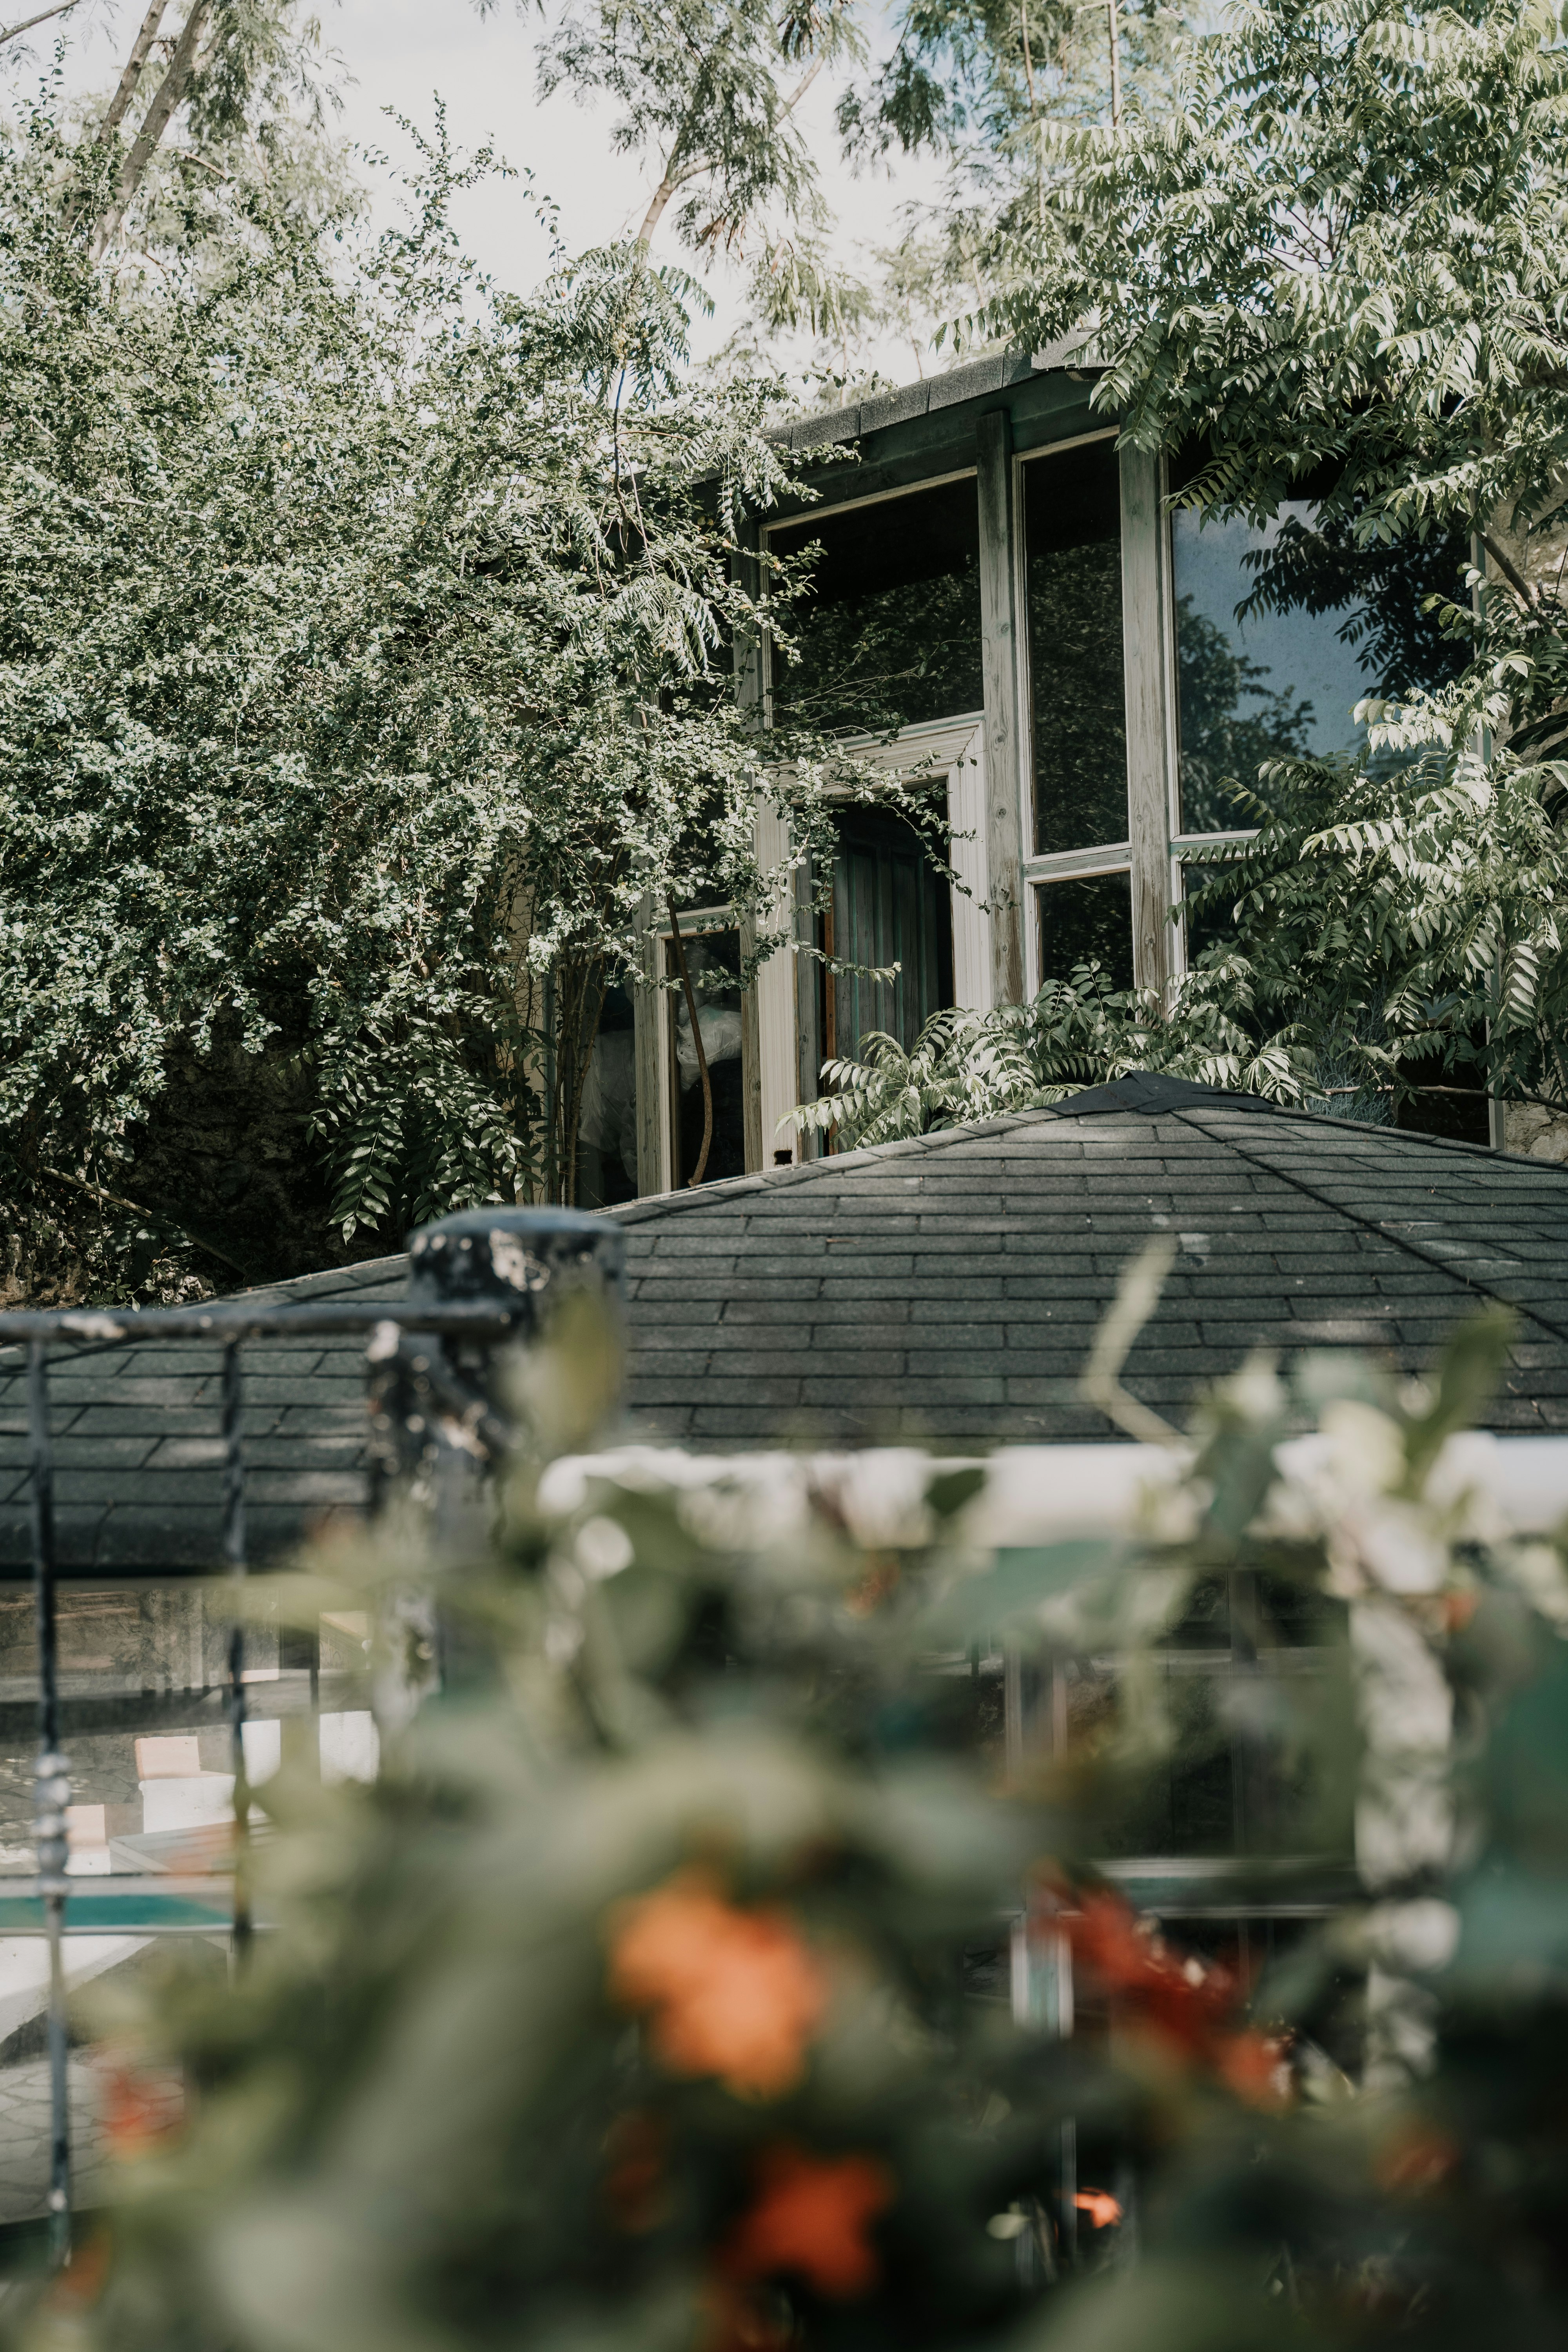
(950, 749)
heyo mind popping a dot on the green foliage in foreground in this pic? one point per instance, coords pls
(655, 1996)
(1076, 1033)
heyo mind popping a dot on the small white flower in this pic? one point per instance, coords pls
(1537, 1571)
(1398, 1547)
(563, 1640)
(1365, 1449)
(603, 1549)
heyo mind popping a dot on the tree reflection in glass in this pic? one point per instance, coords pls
(889, 630)
(1281, 631)
(1072, 524)
(1087, 918)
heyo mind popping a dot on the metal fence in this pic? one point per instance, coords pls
(478, 1282)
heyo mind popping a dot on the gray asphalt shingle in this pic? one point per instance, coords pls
(945, 1291)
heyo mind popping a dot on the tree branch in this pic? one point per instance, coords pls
(119, 1200)
(802, 86)
(171, 90)
(1515, 579)
(12, 32)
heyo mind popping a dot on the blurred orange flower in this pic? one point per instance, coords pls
(1416, 2157)
(1103, 2209)
(734, 1993)
(139, 2104)
(1184, 2002)
(811, 2217)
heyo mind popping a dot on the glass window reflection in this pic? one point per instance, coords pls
(1087, 918)
(1281, 631)
(1072, 524)
(889, 633)
(714, 967)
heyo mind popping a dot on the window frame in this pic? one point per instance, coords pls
(830, 506)
(1148, 689)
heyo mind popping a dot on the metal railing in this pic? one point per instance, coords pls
(478, 1281)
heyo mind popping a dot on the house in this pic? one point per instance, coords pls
(1071, 666)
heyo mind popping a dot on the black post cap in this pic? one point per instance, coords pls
(516, 1256)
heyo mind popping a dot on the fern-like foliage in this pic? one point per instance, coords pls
(1076, 1033)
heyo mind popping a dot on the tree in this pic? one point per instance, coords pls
(1335, 248)
(708, 90)
(363, 670)
(1328, 264)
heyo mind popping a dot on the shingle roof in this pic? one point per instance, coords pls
(137, 1451)
(949, 1289)
(944, 1289)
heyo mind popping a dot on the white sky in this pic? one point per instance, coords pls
(402, 53)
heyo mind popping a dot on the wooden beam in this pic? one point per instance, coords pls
(1150, 714)
(746, 571)
(1006, 732)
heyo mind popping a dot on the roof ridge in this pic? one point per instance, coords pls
(1193, 1093)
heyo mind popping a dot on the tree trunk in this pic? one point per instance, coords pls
(132, 76)
(171, 90)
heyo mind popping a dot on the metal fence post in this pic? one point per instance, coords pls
(440, 1413)
(234, 1562)
(51, 1787)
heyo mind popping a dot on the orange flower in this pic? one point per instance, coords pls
(1101, 2207)
(811, 2217)
(1253, 2063)
(1184, 2003)
(83, 2279)
(1417, 2158)
(140, 2105)
(734, 1993)
(881, 1577)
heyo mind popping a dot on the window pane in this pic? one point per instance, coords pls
(1087, 919)
(1325, 625)
(1072, 524)
(890, 633)
(607, 1119)
(1213, 926)
(889, 905)
(713, 963)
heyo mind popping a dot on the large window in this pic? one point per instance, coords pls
(888, 631)
(1072, 526)
(1086, 919)
(1280, 631)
